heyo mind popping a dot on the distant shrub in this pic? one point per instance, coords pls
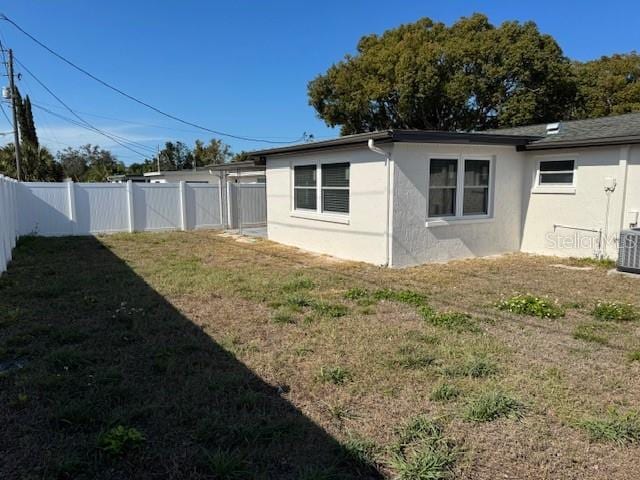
(119, 440)
(614, 311)
(617, 428)
(491, 405)
(444, 392)
(531, 305)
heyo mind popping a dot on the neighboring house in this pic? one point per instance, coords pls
(405, 197)
(236, 172)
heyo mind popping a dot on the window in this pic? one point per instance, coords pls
(330, 195)
(556, 172)
(476, 187)
(458, 188)
(305, 187)
(443, 178)
(335, 187)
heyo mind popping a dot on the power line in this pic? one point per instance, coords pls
(74, 122)
(75, 114)
(137, 100)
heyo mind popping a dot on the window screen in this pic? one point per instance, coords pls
(443, 177)
(305, 187)
(476, 187)
(556, 172)
(335, 187)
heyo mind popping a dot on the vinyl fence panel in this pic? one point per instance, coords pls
(100, 208)
(8, 219)
(204, 206)
(44, 209)
(156, 206)
(53, 209)
(252, 203)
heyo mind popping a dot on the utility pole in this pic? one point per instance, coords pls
(16, 132)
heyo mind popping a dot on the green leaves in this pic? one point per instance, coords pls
(425, 75)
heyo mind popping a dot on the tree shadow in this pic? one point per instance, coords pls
(99, 348)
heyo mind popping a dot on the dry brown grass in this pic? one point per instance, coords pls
(224, 295)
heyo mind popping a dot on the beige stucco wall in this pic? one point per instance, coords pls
(414, 242)
(585, 206)
(361, 236)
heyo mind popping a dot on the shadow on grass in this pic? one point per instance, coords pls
(101, 349)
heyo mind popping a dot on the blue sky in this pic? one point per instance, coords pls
(242, 66)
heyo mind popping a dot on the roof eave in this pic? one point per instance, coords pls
(408, 136)
(591, 142)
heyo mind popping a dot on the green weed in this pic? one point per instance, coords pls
(531, 305)
(614, 311)
(120, 440)
(491, 405)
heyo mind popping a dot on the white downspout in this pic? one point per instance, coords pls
(387, 228)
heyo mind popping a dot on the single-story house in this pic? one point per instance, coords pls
(406, 197)
(232, 172)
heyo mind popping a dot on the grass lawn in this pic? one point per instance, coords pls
(192, 355)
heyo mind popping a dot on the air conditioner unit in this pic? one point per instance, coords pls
(629, 251)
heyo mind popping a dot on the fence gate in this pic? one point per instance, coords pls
(247, 205)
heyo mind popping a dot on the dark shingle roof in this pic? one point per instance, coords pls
(593, 131)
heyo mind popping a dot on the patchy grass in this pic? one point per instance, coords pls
(590, 332)
(531, 305)
(475, 367)
(617, 312)
(120, 440)
(491, 405)
(616, 427)
(421, 451)
(444, 393)
(218, 365)
(336, 375)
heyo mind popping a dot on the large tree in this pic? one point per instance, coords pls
(215, 152)
(89, 163)
(471, 75)
(608, 86)
(38, 164)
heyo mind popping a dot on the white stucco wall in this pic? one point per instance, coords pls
(360, 236)
(413, 242)
(585, 206)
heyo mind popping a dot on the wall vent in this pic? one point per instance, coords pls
(553, 128)
(629, 251)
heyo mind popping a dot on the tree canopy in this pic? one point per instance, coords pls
(471, 75)
(608, 86)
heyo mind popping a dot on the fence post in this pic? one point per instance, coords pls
(183, 206)
(72, 206)
(130, 209)
(4, 255)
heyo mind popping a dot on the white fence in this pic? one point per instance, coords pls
(8, 219)
(53, 209)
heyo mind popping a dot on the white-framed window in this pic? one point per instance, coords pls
(322, 188)
(335, 187)
(556, 172)
(305, 187)
(459, 187)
